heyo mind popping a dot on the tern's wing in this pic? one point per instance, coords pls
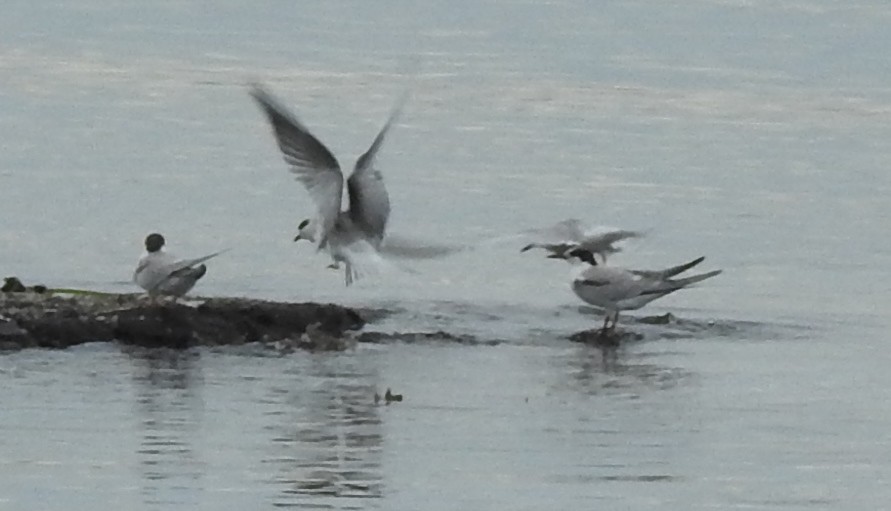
(185, 264)
(309, 160)
(557, 238)
(695, 278)
(564, 236)
(666, 287)
(614, 284)
(157, 272)
(569, 230)
(369, 201)
(662, 285)
(557, 250)
(668, 272)
(604, 242)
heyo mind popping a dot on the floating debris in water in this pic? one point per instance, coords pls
(388, 398)
(663, 319)
(413, 337)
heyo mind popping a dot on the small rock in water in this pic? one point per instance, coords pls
(389, 397)
(611, 339)
(663, 319)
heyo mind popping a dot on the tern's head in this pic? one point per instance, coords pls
(306, 231)
(585, 255)
(154, 242)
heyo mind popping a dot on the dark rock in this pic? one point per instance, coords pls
(166, 326)
(609, 339)
(275, 320)
(58, 320)
(10, 328)
(64, 328)
(12, 285)
(11, 334)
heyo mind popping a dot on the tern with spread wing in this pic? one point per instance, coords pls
(617, 289)
(353, 236)
(567, 235)
(160, 273)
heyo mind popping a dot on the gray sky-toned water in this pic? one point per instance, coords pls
(754, 133)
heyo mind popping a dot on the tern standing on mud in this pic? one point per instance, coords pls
(352, 236)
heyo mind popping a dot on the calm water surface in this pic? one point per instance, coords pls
(755, 133)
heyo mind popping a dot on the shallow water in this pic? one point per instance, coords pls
(749, 132)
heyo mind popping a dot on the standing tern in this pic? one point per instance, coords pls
(617, 289)
(160, 273)
(352, 236)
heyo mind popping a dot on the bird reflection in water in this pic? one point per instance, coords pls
(169, 408)
(329, 440)
(599, 370)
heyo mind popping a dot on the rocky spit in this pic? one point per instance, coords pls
(38, 317)
(46, 319)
